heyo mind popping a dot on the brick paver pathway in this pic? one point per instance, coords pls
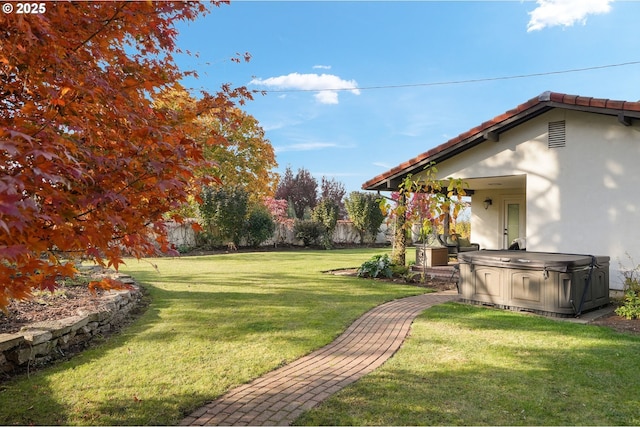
(280, 396)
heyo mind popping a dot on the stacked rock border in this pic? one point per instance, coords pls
(43, 342)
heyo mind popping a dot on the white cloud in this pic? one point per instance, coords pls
(382, 165)
(327, 97)
(550, 13)
(304, 146)
(326, 85)
(322, 67)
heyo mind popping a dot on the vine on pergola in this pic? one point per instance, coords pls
(424, 200)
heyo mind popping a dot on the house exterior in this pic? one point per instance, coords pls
(559, 172)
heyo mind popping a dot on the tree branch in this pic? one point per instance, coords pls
(105, 25)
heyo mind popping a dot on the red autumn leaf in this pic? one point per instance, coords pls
(107, 284)
(86, 156)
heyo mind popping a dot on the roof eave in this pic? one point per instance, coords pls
(626, 112)
(488, 131)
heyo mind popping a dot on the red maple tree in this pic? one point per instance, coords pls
(88, 166)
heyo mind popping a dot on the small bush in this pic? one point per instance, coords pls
(260, 227)
(184, 249)
(365, 214)
(400, 270)
(631, 305)
(208, 240)
(379, 265)
(224, 212)
(630, 308)
(326, 213)
(308, 231)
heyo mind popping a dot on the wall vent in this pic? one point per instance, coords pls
(557, 133)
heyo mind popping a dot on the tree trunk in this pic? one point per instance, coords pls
(447, 224)
(398, 253)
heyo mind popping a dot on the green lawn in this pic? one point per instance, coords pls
(214, 322)
(218, 321)
(467, 365)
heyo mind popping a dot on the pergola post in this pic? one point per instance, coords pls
(398, 253)
(447, 224)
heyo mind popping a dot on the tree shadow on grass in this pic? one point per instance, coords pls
(234, 315)
(478, 396)
(17, 404)
(295, 317)
(39, 408)
(169, 410)
(465, 365)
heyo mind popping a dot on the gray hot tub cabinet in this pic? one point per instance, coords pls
(549, 283)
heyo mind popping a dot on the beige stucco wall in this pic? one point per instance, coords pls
(582, 198)
(487, 224)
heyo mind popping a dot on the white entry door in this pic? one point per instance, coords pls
(514, 220)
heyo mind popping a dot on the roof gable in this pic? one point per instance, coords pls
(490, 130)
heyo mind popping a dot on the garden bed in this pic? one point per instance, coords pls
(65, 302)
(58, 324)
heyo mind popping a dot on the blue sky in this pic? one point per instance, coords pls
(389, 58)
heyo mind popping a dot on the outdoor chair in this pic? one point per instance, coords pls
(456, 244)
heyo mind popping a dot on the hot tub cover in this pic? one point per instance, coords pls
(532, 260)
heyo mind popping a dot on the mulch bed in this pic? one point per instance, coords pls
(64, 302)
(619, 323)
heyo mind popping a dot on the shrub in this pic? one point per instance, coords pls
(630, 308)
(326, 213)
(400, 270)
(378, 265)
(631, 305)
(208, 240)
(224, 211)
(364, 211)
(184, 249)
(308, 231)
(260, 226)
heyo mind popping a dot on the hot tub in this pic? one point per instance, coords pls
(548, 283)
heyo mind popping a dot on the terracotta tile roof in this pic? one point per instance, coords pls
(500, 123)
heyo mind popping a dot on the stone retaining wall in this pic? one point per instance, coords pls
(43, 342)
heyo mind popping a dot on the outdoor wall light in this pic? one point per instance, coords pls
(487, 202)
